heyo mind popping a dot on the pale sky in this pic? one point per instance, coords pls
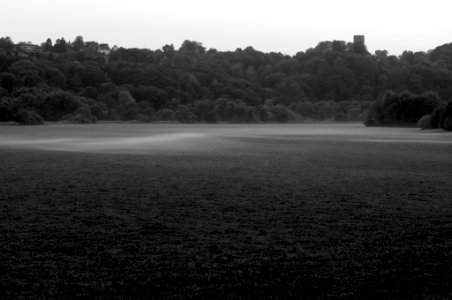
(286, 26)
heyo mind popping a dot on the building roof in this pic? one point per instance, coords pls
(30, 48)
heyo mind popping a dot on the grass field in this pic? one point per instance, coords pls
(225, 211)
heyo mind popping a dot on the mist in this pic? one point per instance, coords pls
(176, 138)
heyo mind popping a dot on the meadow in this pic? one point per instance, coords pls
(130, 211)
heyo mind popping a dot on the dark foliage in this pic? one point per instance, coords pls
(402, 109)
(332, 81)
(445, 120)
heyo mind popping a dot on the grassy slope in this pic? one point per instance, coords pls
(316, 218)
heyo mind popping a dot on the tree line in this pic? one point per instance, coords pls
(335, 80)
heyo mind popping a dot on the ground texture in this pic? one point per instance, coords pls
(268, 216)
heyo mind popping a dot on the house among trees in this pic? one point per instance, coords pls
(29, 48)
(104, 49)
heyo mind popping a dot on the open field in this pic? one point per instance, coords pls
(225, 211)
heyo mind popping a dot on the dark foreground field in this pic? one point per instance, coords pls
(165, 211)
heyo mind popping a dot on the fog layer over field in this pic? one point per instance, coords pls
(295, 211)
(152, 138)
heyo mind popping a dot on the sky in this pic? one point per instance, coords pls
(286, 26)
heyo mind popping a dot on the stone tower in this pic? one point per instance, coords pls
(358, 40)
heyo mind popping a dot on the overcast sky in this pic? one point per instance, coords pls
(286, 26)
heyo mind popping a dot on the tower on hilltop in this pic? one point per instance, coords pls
(359, 45)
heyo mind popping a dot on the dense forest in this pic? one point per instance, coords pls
(86, 81)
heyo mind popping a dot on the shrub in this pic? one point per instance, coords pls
(143, 118)
(340, 117)
(305, 109)
(425, 122)
(59, 103)
(129, 113)
(446, 117)
(82, 115)
(325, 110)
(263, 114)
(436, 117)
(111, 115)
(447, 123)
(401, 109)
(205, 110)
(279, 114)
(354, 114)
(27, 117)
(147, 113)
(166, 114)
(185, 115)
(9, 107)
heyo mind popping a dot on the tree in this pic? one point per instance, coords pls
(339, 46)
(58, 104)
(60, 46)
(127, 106)
(47, 46)
(82, 115)
(55, 78)
(78, 43)
(7, 44)
(9, 107)
(8, 81)
(446, 117)
(27, 117)
(192, 46)
(185, 114)
(279, 113)
(166, 114)
(402, 109)
(205, 110)
(27, 72)
(318, 83)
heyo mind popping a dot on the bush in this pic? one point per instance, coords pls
(263, 115)
(401, 109)
(185, 115)
(340, 117)
(166, 115)
(447, 123)
(425, 122)
(111, 115)
(325, 110)
(279, 114)
(446, 117)
(143, 118)
(436, 117)
(305, 109)
(129, 113)
(240, 112)
(205, 110)
(27, 117)
(82, 115)
(146, 112)
(59, 103)
(354, 114)
(9, 107)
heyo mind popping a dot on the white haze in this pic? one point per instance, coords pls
(286, 26)
(184, 139)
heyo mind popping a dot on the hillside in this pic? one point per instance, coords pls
(86, 81)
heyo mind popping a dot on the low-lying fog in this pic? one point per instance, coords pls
(148, 138)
